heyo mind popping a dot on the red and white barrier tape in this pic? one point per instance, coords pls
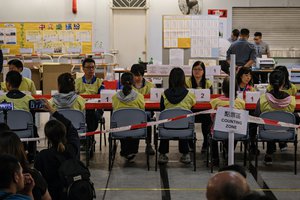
(146, 124)
(252, 119)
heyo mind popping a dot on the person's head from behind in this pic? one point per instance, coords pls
(198, 73)
(244, 76)
(11, 173)
(235, 34)
(4, 127)
(15, 65)
(244, 34)
(13, 80)
(277, 80)
(11, 144)
(285, 71)
(127, 82)
(226, 87)
(65, 83)
(55, 131)
(226, 185)
(236, 168)
(176, 78)
(138, 72)
(257, 37)
(88, 67)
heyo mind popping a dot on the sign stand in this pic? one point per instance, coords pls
(231, 99)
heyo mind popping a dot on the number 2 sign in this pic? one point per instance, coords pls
(202, 95)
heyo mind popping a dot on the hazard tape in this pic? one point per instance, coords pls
(252, 119)
(146, 124)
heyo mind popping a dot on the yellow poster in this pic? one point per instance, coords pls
(184, 43)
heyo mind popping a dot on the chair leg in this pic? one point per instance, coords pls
(211, 157)
(194, 152)
(100, 142)
(109, 152)
(147, 156)
(256, 156)
(245, 152)
(87, 148)
(241, 147)
(295, 158)
(156, 147)
(208, 151)
(104, 134)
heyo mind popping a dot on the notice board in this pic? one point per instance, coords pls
(46, 37)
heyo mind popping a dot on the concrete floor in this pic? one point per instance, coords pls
(132, 180)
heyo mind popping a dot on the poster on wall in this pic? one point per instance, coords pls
(190, 7)
(222, 14)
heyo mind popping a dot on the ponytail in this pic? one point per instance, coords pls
(277, 80)
(61, 147)
(127, 82)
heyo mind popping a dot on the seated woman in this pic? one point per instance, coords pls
(11, 144)
(223, 101)
(64, 142)
(128, 98)
(288, 87)
(244, 80)
(198, 81)
(276, 99)
(66, 97)
(141, 85)
(176, 96)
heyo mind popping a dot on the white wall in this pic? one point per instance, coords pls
(98, 12)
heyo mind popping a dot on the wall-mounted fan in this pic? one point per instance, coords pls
(190, 7)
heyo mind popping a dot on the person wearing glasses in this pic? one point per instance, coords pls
(89, 83)
(261, 47)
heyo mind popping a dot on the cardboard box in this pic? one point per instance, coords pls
(50, 73)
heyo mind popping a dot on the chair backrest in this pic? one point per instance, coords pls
(184, 123)
(182, 128)
(76, 117)
(282, 116)
(128, 116)
(26, 72)
(21, 122)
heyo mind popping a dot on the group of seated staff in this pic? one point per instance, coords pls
(135, 86)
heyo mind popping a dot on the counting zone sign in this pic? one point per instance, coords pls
(235, 120)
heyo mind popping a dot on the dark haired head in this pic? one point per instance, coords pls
(203, 79)
(55, 131)
(243, 70)
(176, 78)
(17, 63)
(127, 82)
(88, 60)
(237, 168)
(66, 83)
(257, 34)
(287, 83)
(226, 87)
(245, 32)
(4, 127)
(14, 79)
(236, 33)
(137, 70)
(11, 144)
(8, 168)
(277, 81)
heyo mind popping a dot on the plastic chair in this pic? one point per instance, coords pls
(78, 121)
(176, 130)
(26, 72)
(268, 133)
(120, 118)
(220, 136)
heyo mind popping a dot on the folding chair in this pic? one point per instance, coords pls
(125, 117)
(78, 121)
(220, 136)
(268, 133)
(182, 129)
